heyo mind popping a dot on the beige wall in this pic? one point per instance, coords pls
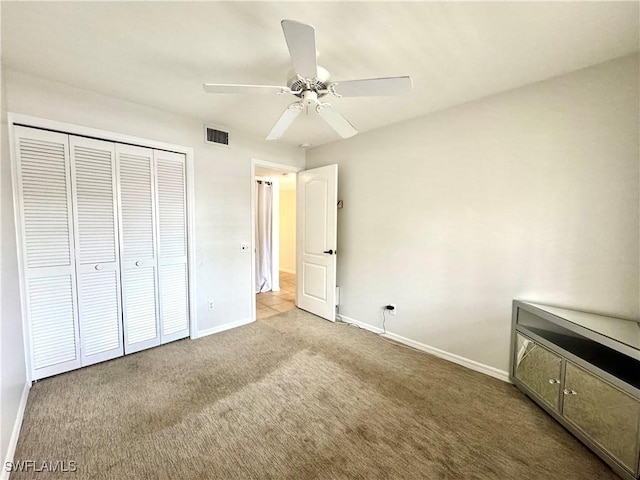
(12, 362)
(529, 194)
(287, 229)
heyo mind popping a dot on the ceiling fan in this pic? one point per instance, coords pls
(310, 82)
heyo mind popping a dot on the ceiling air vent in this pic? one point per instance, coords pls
(216, 136)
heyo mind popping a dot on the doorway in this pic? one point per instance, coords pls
(274, 235)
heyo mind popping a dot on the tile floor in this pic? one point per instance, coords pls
(272, 303)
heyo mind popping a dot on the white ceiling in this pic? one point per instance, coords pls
(159, 53)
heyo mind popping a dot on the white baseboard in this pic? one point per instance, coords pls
(436, 352)
(13, 441)
(452, 357)
(360, 324)
(222, 328)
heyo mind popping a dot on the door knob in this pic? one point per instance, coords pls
(330, 252)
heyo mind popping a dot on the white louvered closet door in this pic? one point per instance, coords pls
(172, 245)
(44, 196)
(93, 176)
(138, 247)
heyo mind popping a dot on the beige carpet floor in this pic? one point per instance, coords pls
(293, 397)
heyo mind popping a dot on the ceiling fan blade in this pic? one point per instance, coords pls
(285, 121)
(301, 41)
(232, 88)
(336, 121)
(373, 87)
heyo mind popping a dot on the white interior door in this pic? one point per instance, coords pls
(93, 175)
(46, 225)
(138, 247)
(172, 245)
(316, 231)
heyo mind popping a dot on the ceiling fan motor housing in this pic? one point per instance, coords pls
(319, 85)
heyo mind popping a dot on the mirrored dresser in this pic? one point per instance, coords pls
(584, 370)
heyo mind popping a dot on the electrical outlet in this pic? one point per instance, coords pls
(211, 305)
(394, 310)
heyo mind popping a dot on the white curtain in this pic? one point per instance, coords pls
(264, 199)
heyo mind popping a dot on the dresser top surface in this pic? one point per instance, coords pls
(618, 329)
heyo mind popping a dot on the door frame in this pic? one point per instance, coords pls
(255, 162)
(79, 130)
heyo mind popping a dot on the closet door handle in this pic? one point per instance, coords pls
(330, 252)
